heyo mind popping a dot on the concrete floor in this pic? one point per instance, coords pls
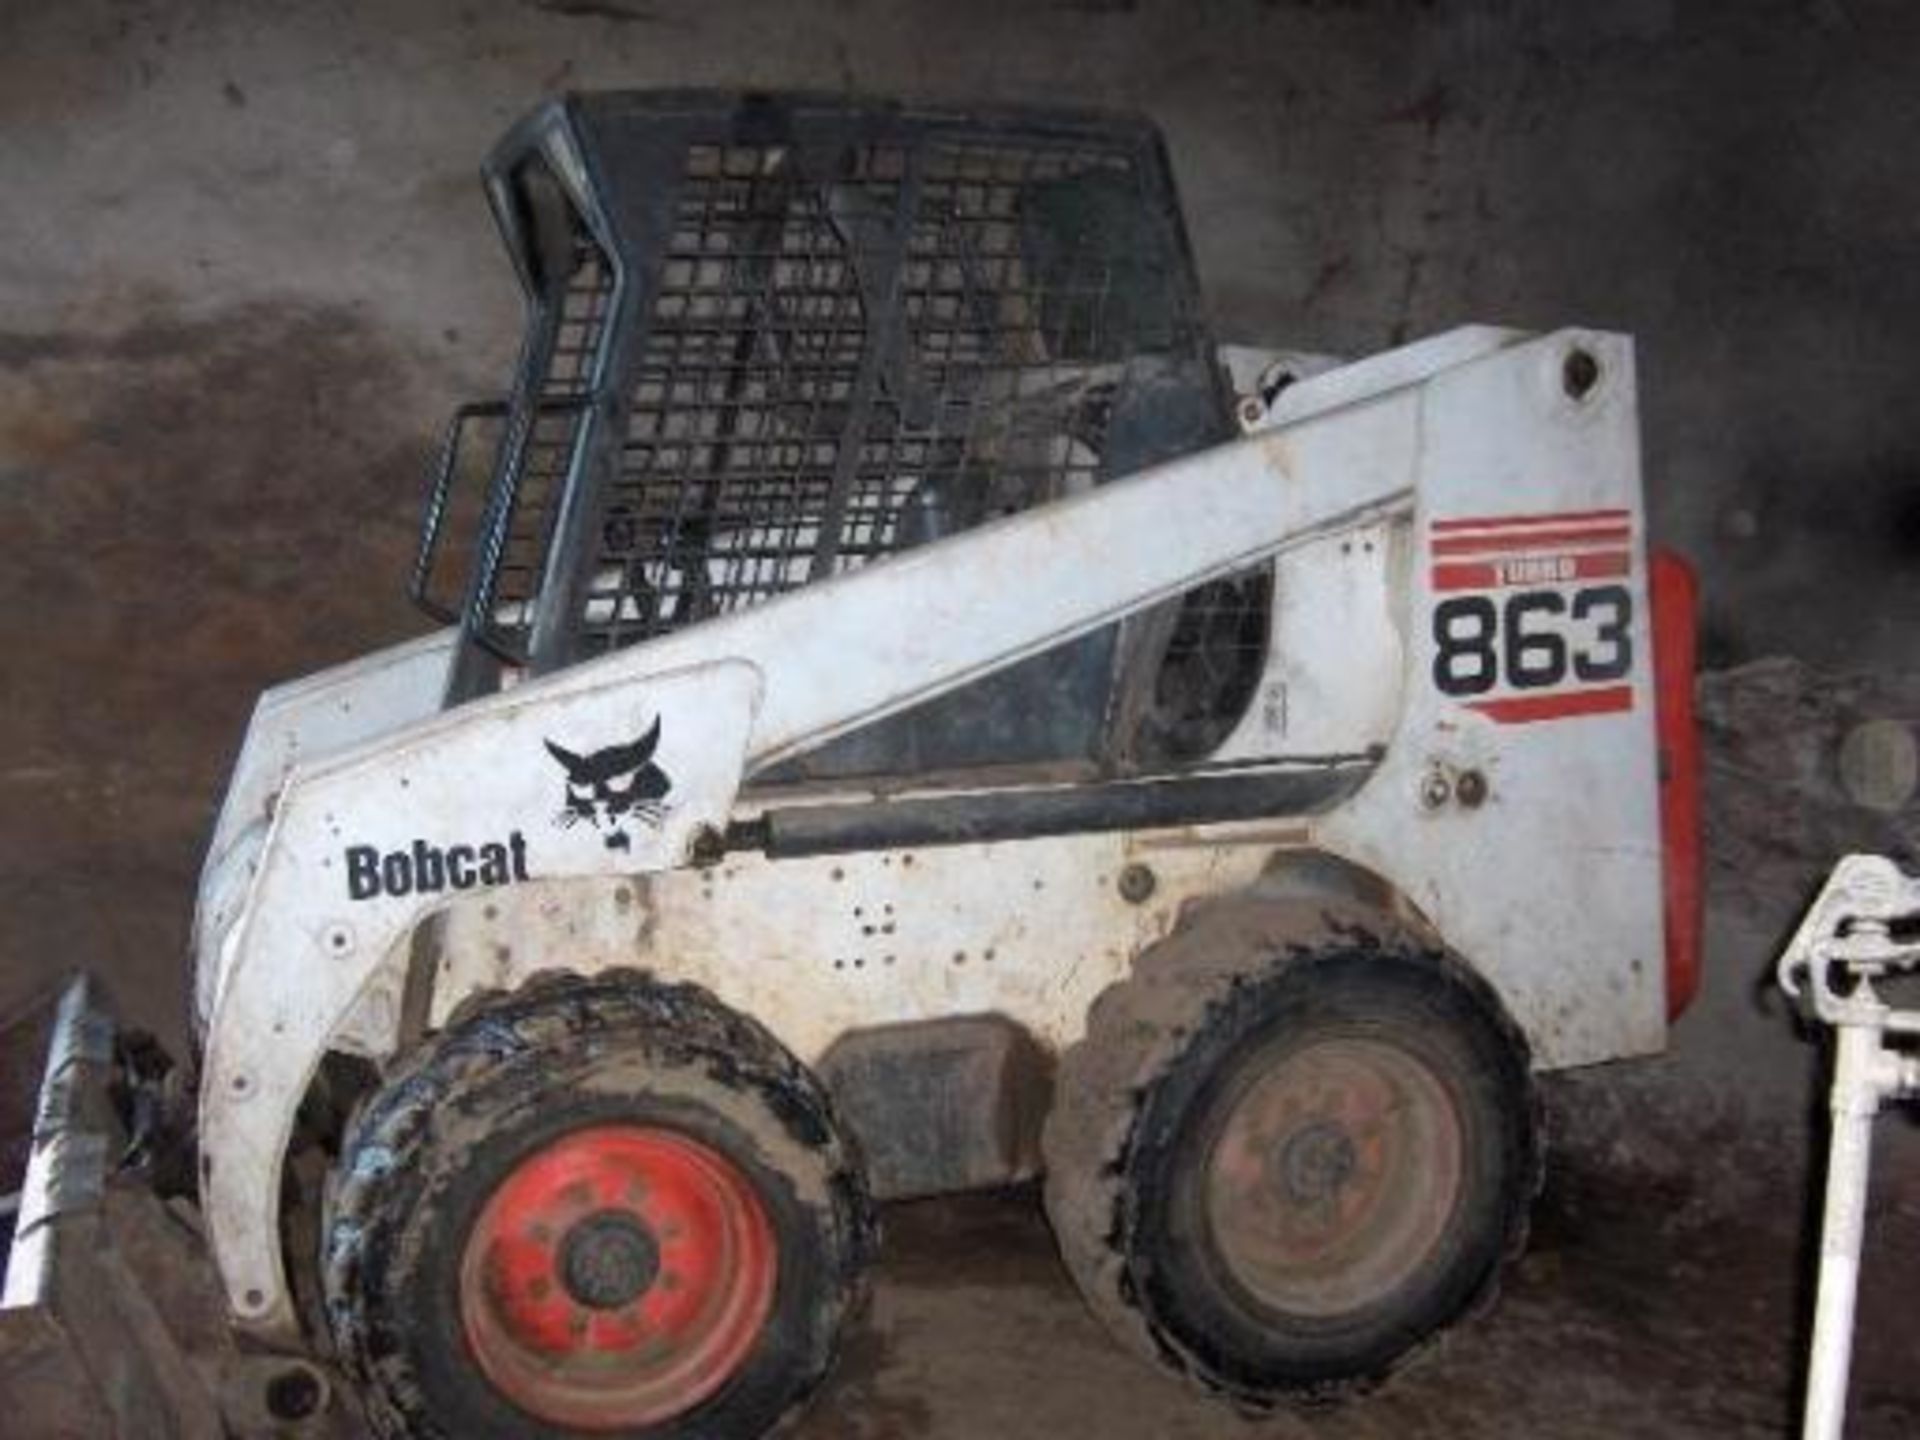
(1639, 1310)
(245, 270)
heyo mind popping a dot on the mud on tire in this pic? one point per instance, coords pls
(1383, 1178)
(456, 1258)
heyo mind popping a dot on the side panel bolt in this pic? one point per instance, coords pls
(1137, 883)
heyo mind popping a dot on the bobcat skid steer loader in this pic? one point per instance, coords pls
(906, 721)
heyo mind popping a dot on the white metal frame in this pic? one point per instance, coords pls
(1532, 847)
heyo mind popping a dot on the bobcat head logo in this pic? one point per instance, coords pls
(614, 788)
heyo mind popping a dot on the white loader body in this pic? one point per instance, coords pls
(1458, 698)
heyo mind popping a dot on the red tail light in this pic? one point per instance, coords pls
(1676, 595)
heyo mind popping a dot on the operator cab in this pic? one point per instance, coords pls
(773, 339)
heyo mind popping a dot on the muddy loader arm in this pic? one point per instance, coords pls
(365, 844)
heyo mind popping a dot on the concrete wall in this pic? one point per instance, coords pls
(245, 268)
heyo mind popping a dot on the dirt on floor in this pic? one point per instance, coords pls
(1641, 1307)
(1637, 1310)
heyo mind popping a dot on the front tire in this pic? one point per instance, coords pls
(606, 1207)
(1296, 1143)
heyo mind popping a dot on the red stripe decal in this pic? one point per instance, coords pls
(1476, 575)
(1531, 539)
(1493, 574)
(1508, 522)
(1521, 709)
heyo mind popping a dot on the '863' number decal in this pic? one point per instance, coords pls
(1533, 614)
(1520, 641)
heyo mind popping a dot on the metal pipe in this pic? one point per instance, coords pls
(1848, 940)
(1855, 1101)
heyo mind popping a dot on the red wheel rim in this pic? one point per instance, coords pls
(617, 1277)
(1335, 1175)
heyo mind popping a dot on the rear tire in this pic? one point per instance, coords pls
(606, 1207)
(1295, 1144)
